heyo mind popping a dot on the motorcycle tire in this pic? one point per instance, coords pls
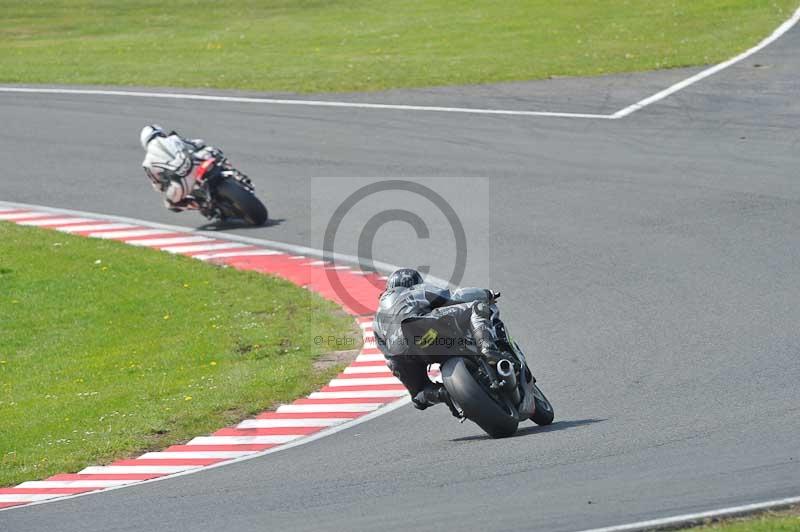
(543, 414)
(243, 203)
(476, 402)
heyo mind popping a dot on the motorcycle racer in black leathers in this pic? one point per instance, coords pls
(419, 324)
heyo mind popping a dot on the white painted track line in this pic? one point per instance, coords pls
(228, 254)
(367, 369)
(143, 469)
(697, 517)
(779, 31)
(94, 227)
(44, 222)
(22, 497)
(301, 422)
(358, 394)
(332, 407)
(129, 233)
(13, 216)
(308, 103)
(370, 358)
(238, 440)
(74, 483)
(203, 247)
(168, 455)
(173, 241)
(364, 381)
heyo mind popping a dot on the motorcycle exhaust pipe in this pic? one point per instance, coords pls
(505, 370)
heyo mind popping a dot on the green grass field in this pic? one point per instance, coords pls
(107, 350)
(786, 521)
(354, 45)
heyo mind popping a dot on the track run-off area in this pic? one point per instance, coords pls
(649, 270)
(365, 389)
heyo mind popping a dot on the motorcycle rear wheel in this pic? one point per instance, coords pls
(242, 203)
(475, 401)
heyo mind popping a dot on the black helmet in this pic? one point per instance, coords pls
(406, 277)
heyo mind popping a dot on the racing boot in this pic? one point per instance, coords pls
(179, 206)
(214, 215)
(483, 333)
(433, 393)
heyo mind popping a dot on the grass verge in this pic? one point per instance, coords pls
(107, 350)
(355, 45)
(778, 521)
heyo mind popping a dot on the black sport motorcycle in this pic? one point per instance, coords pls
(495, 396)
(499, 397)
(223, 192)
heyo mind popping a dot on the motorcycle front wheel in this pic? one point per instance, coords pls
(543, 414)
(241, 202)
(477, 403)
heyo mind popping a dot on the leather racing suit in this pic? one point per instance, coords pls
(169, 162)
(425, 324)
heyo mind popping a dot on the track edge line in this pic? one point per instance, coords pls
(673, 522)
(710, 71)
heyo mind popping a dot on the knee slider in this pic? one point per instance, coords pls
(176, 191)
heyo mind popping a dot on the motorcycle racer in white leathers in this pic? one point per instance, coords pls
(168, 163)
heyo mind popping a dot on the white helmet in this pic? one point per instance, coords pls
(149, 133)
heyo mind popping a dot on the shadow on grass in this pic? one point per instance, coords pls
(535, 429)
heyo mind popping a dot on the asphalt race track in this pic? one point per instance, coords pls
(650, 266)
